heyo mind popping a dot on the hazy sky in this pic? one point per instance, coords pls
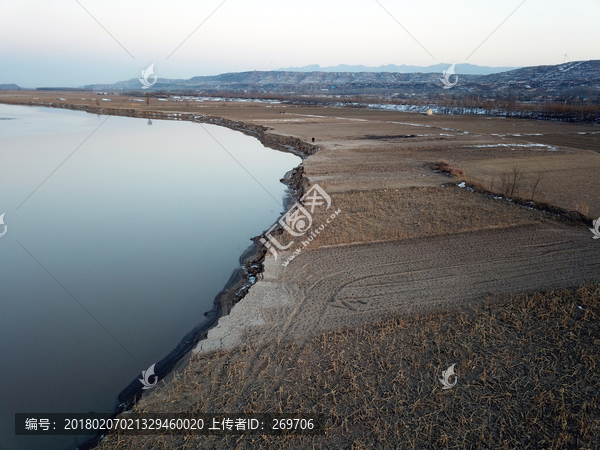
(57, 43)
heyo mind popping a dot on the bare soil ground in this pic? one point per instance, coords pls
(349, 285)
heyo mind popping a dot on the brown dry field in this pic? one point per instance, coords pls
(526, 367)
(409, 243)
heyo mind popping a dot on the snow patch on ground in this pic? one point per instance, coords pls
(550, 148)
(412, 124)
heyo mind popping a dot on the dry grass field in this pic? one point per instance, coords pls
(527, 371)
(563, 177)
(397, 213)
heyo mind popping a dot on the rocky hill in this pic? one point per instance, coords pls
(580, 78)
(468, 69)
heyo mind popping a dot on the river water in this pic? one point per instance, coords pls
(120, 232)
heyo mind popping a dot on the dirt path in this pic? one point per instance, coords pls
(353, 285)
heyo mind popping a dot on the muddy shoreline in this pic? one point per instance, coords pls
(251, 261)
(271, 140)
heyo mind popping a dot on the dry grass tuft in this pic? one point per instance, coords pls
(445, 167)
(527, 378)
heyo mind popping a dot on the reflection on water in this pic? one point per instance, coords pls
(118, 254)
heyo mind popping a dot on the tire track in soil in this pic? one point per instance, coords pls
(449, 269)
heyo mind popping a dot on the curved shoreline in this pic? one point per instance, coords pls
(251, 260)
(271, 140)
(236, 288)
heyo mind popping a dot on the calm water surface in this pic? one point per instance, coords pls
(142, 225)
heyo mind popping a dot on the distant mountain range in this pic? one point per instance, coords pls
(579, 79)
(465, 69)
(9, 87)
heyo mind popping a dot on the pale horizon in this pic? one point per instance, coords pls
(90, 42)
